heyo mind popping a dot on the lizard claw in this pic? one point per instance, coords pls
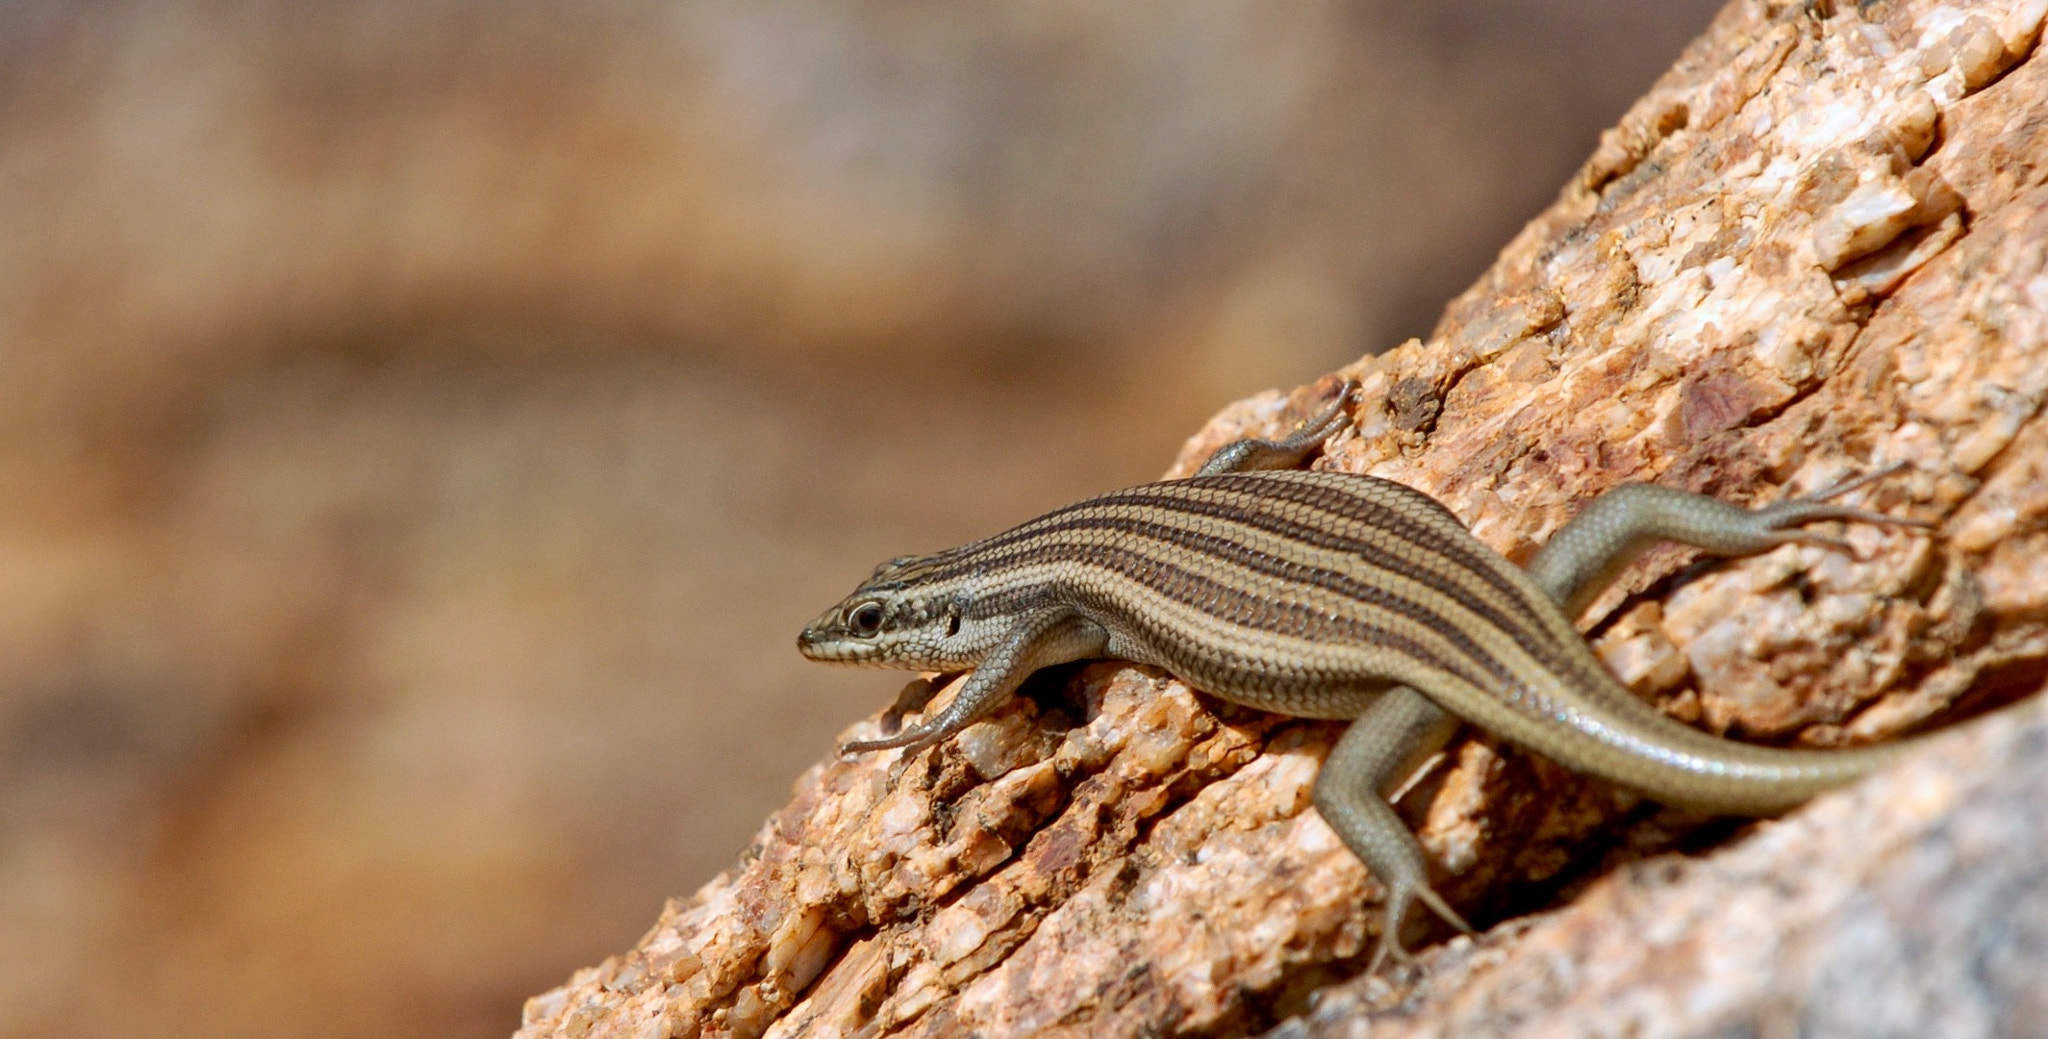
(1842, 487)
(1399, 897)
(911, 740)
(1818, 506)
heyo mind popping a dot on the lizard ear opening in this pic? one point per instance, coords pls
(952, 620)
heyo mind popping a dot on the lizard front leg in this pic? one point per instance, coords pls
(1250, 453)
(1055, 634)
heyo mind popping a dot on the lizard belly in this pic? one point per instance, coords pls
(1274, 681)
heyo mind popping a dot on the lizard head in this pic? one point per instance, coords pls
(907, 615)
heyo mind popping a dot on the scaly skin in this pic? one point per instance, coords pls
(1336, 595)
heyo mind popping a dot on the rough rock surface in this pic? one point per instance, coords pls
(1914, 905)
(1815, 247)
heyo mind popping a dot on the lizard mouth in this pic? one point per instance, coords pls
(828, 643)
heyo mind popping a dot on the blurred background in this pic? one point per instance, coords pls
(424, 426)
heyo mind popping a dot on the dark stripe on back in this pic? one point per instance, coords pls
(1040, 542)
(1147, 569)
(1223, 600)
(1464, 551)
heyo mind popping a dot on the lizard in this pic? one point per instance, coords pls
(1326, 594)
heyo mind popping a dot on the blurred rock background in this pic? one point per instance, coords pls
(424, 426)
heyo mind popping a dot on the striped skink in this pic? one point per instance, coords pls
(1336, 595)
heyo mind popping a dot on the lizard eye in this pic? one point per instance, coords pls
(865, 619)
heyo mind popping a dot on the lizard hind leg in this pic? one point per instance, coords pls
(1780, 519)
(1618, 526)
(1375, 756)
